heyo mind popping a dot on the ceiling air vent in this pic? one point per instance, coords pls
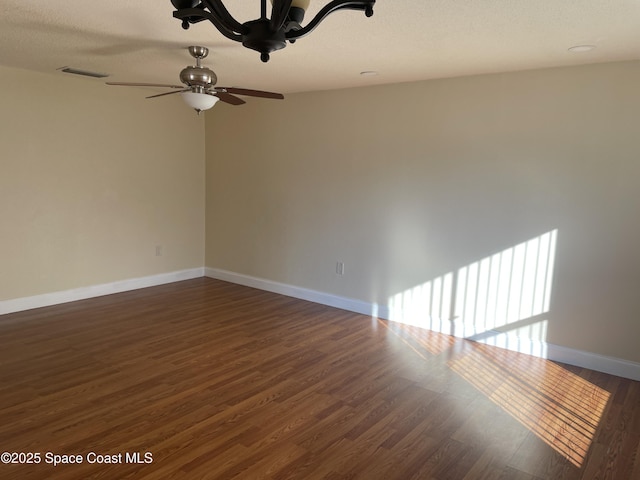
(86, 73)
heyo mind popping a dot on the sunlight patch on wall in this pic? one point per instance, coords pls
(493, 295)
(559, 407)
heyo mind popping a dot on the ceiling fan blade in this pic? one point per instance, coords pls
(169, 93)
(129, 84)
(228, 98)
(249, 93)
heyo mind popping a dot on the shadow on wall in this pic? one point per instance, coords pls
(500, 300)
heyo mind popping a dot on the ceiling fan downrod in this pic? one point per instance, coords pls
(265, 34)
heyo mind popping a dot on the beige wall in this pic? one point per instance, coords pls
(406, 183)
(92, 178)
(403, 183)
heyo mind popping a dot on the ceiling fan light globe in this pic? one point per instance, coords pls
(199, 101)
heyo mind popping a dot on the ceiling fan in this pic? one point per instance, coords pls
(198, 90)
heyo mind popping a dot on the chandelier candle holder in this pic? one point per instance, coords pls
(265, 34)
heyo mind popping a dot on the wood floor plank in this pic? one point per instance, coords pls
(219, 381)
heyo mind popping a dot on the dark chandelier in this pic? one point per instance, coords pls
(265, 34)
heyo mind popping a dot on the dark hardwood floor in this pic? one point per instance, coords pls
(219, 381)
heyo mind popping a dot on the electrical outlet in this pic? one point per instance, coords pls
(340, 268)
(158, 250)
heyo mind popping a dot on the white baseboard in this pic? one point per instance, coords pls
(558, 353)
(579, 358)
(328, 299)
(55, 298)
(611, 365)
(593, 361)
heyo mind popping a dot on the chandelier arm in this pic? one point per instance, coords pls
(193, 15)
(362, 5)
(279, 13)
(217, 8)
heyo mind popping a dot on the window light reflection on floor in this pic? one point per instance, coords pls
(559, 407)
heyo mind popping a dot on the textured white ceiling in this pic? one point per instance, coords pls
(405, 40)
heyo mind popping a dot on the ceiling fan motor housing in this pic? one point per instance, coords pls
(198, 77)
